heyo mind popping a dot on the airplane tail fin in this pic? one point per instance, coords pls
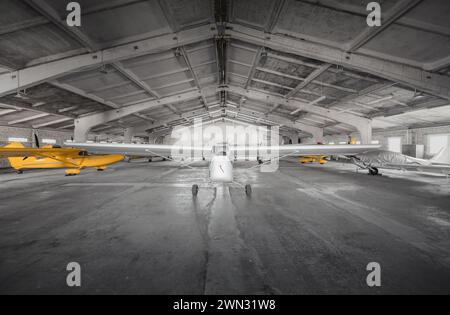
(443, 157)
(15, 162)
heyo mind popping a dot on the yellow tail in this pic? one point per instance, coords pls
(15, 162)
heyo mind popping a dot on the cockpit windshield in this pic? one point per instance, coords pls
(220, 149)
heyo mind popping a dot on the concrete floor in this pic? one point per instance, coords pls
(306, 229)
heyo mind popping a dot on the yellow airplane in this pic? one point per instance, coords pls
(49, 157)
(322, 159)
(313, 159)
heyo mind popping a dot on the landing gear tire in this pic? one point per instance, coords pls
(19, 172)
(248, 190)
(150, 160)
(373, 171)
(194, 190)
(260, 162)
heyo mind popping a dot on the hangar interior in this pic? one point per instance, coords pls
(135, 70)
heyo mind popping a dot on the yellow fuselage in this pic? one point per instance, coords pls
(313, 159)
(49, 157)
(79, 162)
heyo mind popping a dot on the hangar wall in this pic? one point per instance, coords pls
(409, 136)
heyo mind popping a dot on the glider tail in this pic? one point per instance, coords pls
(443, 157)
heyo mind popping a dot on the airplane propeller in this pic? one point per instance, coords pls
(36, 138)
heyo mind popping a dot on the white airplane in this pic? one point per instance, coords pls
(374, 160)
(222, 156)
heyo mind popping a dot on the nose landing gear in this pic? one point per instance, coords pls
(194, 190)
(248, 190)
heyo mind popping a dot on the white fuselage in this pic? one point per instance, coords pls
(221, 169)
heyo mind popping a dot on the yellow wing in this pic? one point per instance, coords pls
(18, 150)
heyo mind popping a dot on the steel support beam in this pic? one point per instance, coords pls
(435, 84)
(7, 112)
(308, 80)
(51, 123)
(363, 125)
(84, 124)
(19, 121)
(194, 75)
(395, 13)
(10, 82)
(134, 79)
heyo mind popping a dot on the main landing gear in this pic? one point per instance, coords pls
(248, 190)
(373, 171)
(72, 172)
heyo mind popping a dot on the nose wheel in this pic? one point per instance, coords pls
(248, 190)
(374, 171)
(194, 190)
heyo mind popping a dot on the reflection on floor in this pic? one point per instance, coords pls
(306, 229)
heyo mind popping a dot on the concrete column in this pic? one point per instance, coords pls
(317, 136)
(82, 129)
(128, 135)
(152, 138)
(365, 131)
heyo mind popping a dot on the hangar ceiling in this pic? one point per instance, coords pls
(153, 65)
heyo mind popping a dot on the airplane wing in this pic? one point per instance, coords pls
(167, 150)
(306, 150)
(150, 150)
(393, 160)
(28, 152)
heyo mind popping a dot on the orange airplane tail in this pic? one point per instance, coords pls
(16, 162)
